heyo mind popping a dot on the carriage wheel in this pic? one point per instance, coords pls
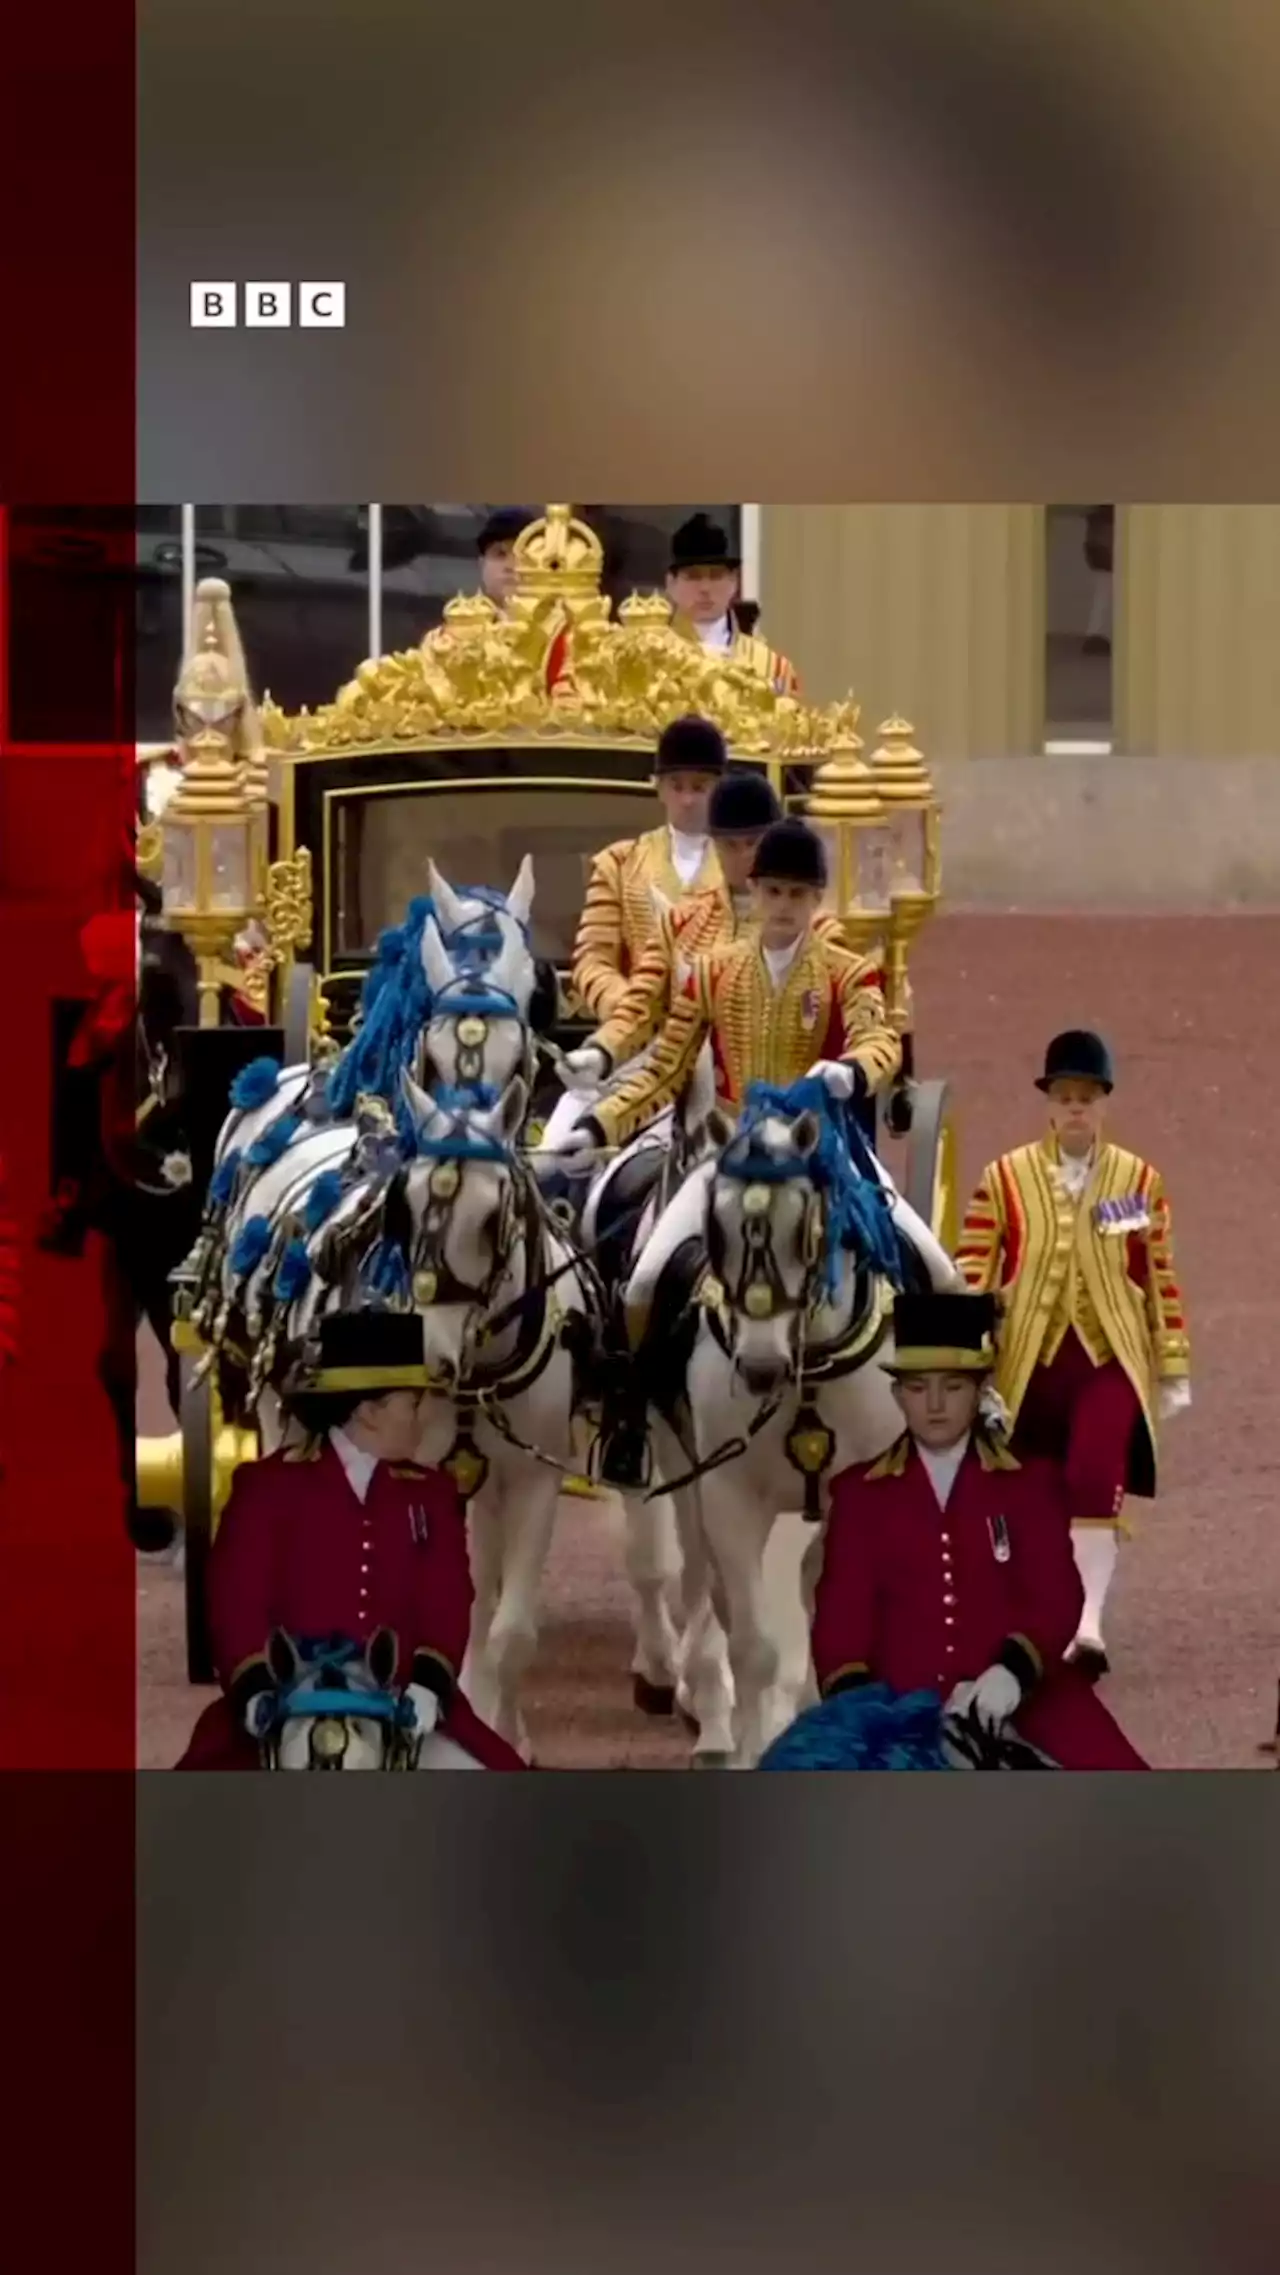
(932, 1180)
(211, 1452)
(297, 1015)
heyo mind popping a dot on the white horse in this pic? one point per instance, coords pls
(341, 1711)
(498, 1291)
(788, 1367)
(270, 1154)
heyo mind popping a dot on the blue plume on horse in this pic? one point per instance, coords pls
(251, 1245)
(323, 1199)
(223, 1181)
(254, 1084)
(395, 1009)
(275, 1140)
(293, 1273)
(858, 1214)
(385, 1272)
(869, 1728)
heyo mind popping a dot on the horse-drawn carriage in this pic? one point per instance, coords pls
(501, 736)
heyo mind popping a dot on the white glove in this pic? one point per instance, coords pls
(996, 1695)
(426, 1709)
(1175, 1397)
(581, 1140)
(840, 1081)
(583, 1069)
(258, 1713)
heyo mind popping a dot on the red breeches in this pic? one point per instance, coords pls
(1085, 1418)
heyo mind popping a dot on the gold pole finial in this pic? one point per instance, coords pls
(901, 776)
(844, 788)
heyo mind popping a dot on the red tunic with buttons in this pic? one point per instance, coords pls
(921, 1597)
(298, 1550)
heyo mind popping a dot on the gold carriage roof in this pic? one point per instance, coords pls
(559, 668)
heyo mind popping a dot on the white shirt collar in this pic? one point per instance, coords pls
(358, 1464)
(780, 960)
(1075, 1170)
(687, 854)
(943, 1466)
(717, 635)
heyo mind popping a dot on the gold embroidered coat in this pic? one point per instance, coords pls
(748, 652)
(1101, 1265)
(619, 915)
(699, 923)
(830, 1006)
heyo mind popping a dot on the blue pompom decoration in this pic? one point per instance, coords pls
(223, 1181)
(323, 1199)
(385, 1272)
(254, 1084)
(867, 1728)
(274, 1141)
(252, 1243)
(293, 1274)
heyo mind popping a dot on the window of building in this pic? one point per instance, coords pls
(1079, 581)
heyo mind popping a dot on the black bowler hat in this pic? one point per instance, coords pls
(742, 805)
(369, 1351)
(943, 1334)
(1077, 1056)
(691, 746)
(792, 854)
(700, 543)
(503, 527)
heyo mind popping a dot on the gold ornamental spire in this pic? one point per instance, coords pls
(844, 787)
(898, 768)
(558, 556)
(213, 692)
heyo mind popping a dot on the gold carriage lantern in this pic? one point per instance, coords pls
(912, 836)
(848, 813)
(210, 832)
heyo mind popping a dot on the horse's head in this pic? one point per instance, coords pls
(459, 1197)
(335, 1707)
(477, 1033)
(766, 1241)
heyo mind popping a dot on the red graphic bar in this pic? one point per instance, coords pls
(68, 168)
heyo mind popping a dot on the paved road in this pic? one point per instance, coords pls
(1195, 1024)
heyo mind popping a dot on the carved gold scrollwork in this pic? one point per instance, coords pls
(289, 910)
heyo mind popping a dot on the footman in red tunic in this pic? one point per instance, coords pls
(948, 1565)
(343, 1536)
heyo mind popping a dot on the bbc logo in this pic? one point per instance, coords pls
(268, 306)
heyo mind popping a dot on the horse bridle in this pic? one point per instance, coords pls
(331, 1713)
(761, 1292)
(433, 1278)
(478, 1003)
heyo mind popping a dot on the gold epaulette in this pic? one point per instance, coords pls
(894, 1462)
(991, 1454)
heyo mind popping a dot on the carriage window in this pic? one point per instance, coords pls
(377, 847)
(300, 580)
(429, 554)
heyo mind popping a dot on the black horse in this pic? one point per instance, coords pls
(132, 1181)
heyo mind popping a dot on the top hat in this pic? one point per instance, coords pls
(793, 854)
(700, 543)
(503, 527)
(691, 746)
(1077, 1056)
(951, 1333)
(371, 1351)
(742, 805)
